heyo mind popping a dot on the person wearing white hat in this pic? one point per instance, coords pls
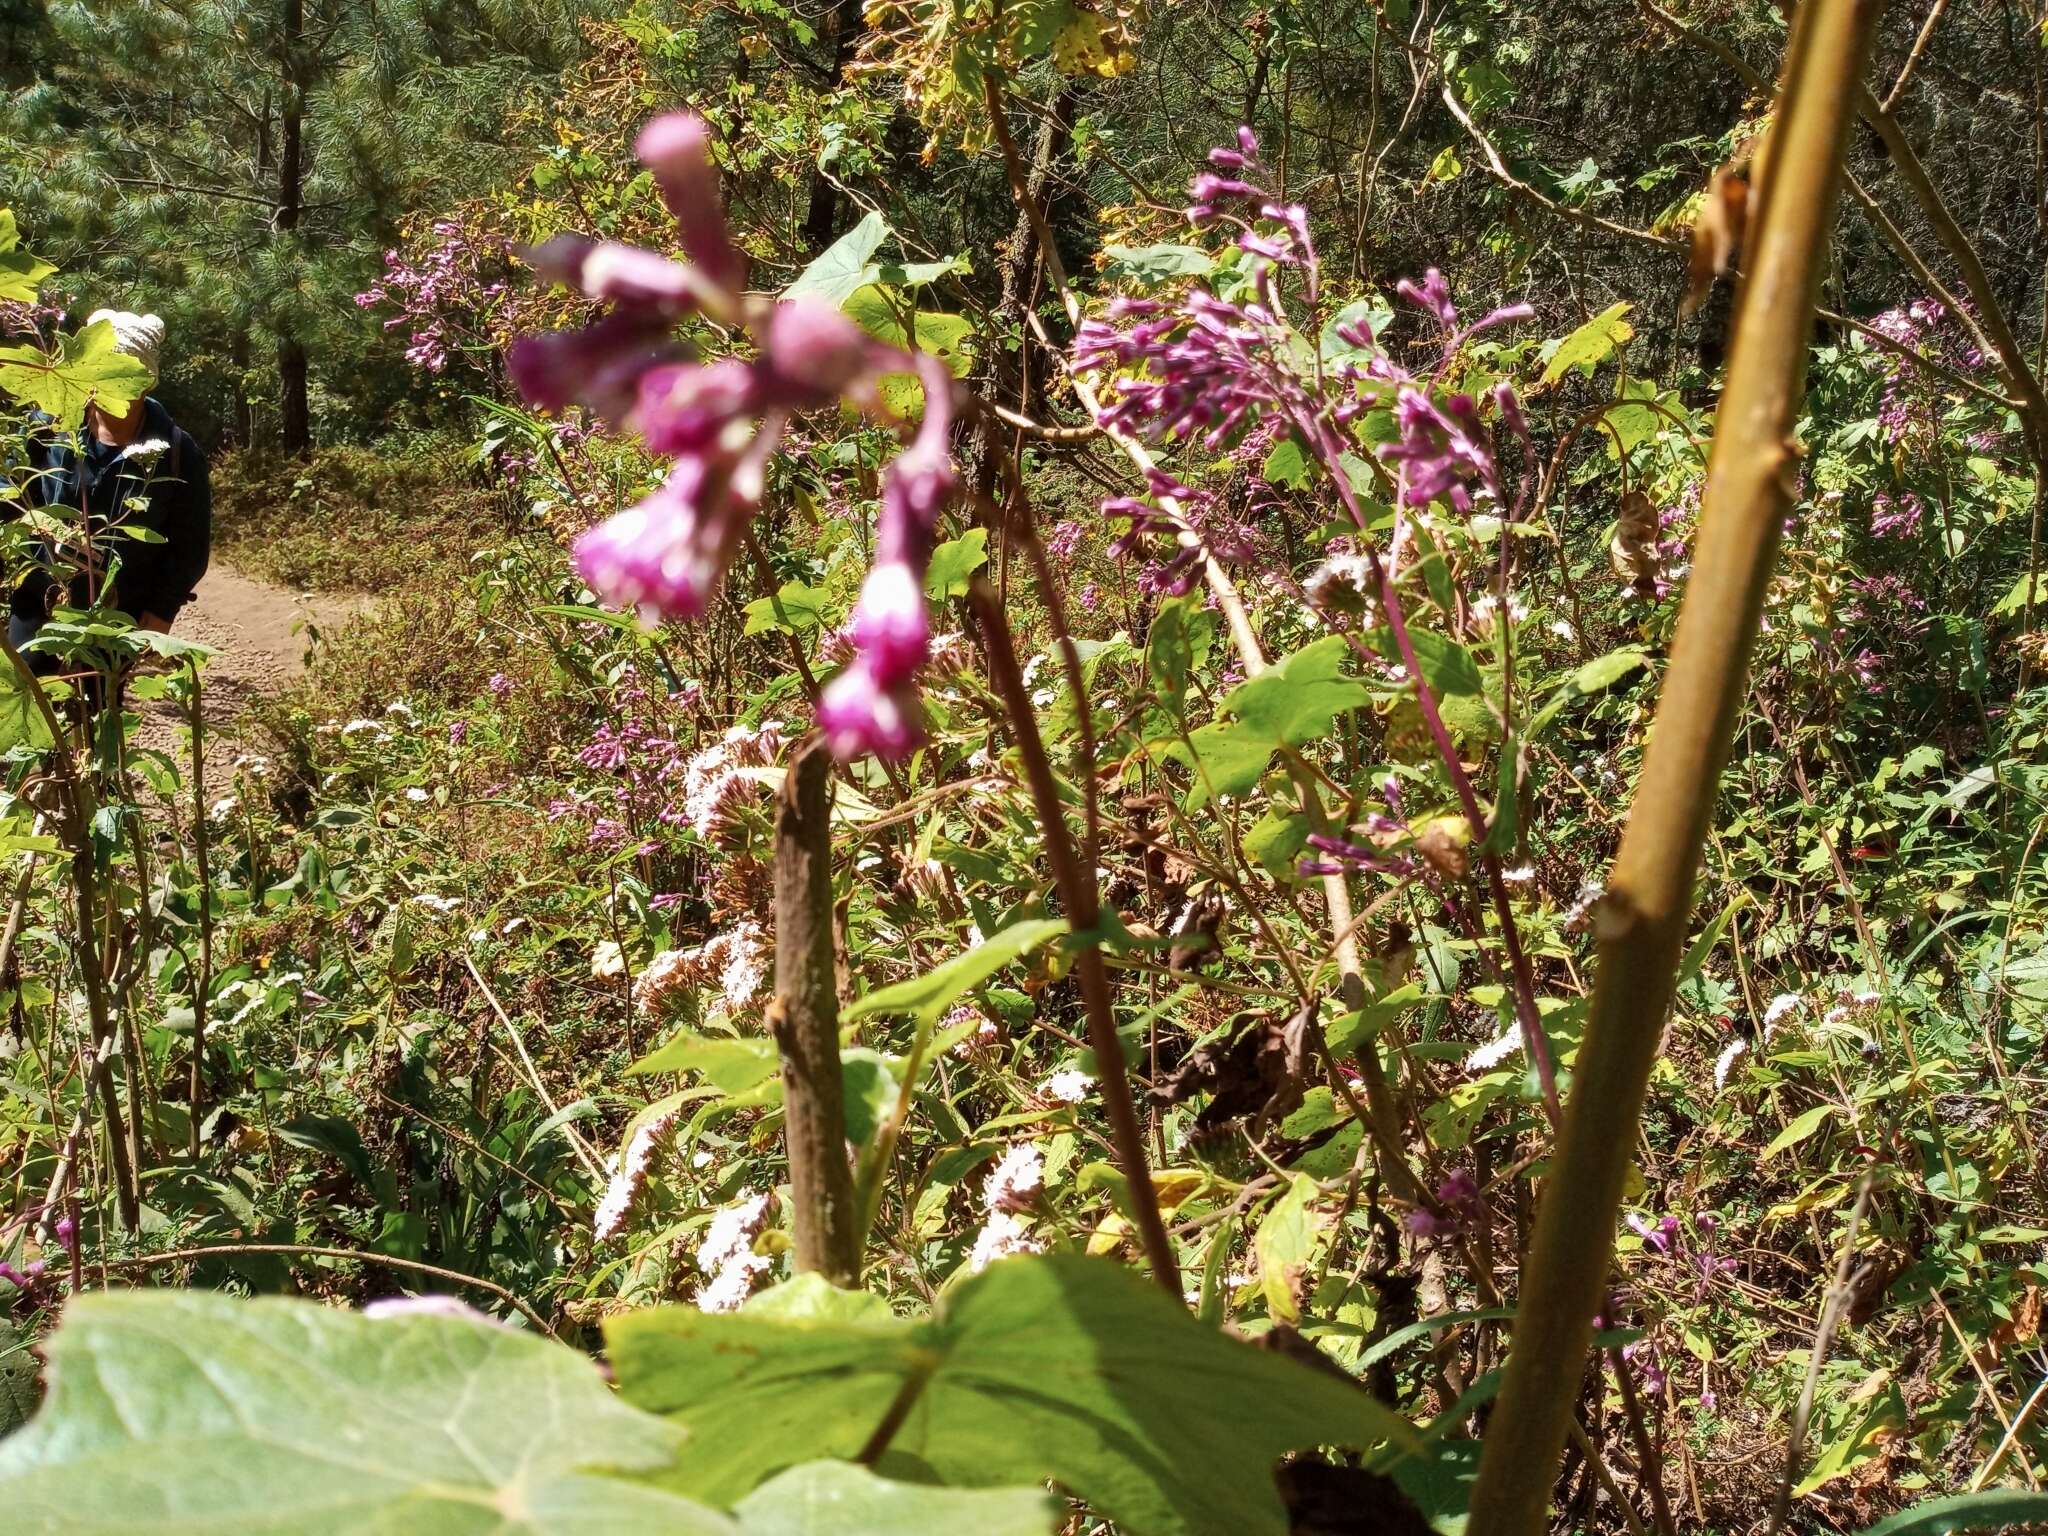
(136, 484)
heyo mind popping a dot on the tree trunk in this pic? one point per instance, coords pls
(823, 211)
(295, 416)
(1020, 279)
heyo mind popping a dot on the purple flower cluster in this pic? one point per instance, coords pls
(1457, 1203)
(1220, 371)
(1910, 407)
(720, 421)
(431, 288)
(1896, 515)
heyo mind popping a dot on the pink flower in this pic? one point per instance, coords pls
(889, 628)
(859, 715)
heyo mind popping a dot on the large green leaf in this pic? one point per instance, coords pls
(847, 265)
(1150, 265)
(796, 609)
(1294, 700)
(195, 1413)
(1230, 758)
(836, 1498)
(1988, 1510)
(954, 564)
(930, 995)
(20, 719)
(1591, 344)
(1059, 1367)
(85, 368)
(1447, 666)
(20, 273)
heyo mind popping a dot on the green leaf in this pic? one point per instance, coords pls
(1801, 1128)
(1296, 699)
(1447, 666)
(796, 609)
(732, 1066)
(1182, 633)
(1590, 345)
(21, 275)
(1600, 673)
(954, 564)
(1287, 465)
(1991, 1509)
(1276, 841)
(846, 267)
(1150, 265)
(1856, 1445)
(20, 719)
(1283, 1243)
(836, 1498)
(1229, 758)
(2015, 600)
(930, 995)
(186, 1412)
(1058, 1367)
(84, 369)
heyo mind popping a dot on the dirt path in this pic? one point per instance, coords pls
(262, 632)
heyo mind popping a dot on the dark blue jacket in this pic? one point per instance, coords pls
(166, 491)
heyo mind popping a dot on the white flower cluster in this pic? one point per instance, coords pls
(630, 1176)
(712, 781)
(1068, 1087)
(1011, 1187)
(738, 958)
(727, 1257)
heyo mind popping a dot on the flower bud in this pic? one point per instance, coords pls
(677, 148)
(889, 625)
(858, 716)
(814, 354)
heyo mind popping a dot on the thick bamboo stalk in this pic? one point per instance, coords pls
(825, 1221)
(1642, 921)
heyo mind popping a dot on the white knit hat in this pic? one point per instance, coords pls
(138, 336)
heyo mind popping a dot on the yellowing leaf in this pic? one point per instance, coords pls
(1590, 345)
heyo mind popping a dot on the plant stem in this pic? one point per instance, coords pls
(1084, 911)
(805, 1019)
(1642, 921)
(202, 984)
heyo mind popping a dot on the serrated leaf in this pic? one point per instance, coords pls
(1150, 265)
(930, 995)
(21, 275)
(189, 1412)
(846, 266)
(954, 563)
(1590, 345)
(85, 368)
(1295, 700)
(1057, 1368)
(1227, 756)
(1287, 465)
(1447, 666)
(1285, 1238)
(796, 609)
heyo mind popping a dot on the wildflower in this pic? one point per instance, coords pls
(629, 1176)
(726, 1256)
(440, 906)
(736, 959)
(1495, 1051)
(458, 732)
(1015, 1181)
(500, 685)
(720, 422)
(1661, 1238)
(1725, 1062)
(1442, 450)
(1777, 1008)
(1002, 1235)
(415, 794)
(1067, 1087)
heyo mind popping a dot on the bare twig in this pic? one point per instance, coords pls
(584, 1155)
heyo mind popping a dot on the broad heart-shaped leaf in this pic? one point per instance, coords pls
(836, 1498)
(954, 563)
(84, 368)
(927, 996)
(796, 609)
(1057, 1366)
(1294, 700)
(20, 719)
(847, 264)
(1590, 345)
(195, 1413)
(1229, 758)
